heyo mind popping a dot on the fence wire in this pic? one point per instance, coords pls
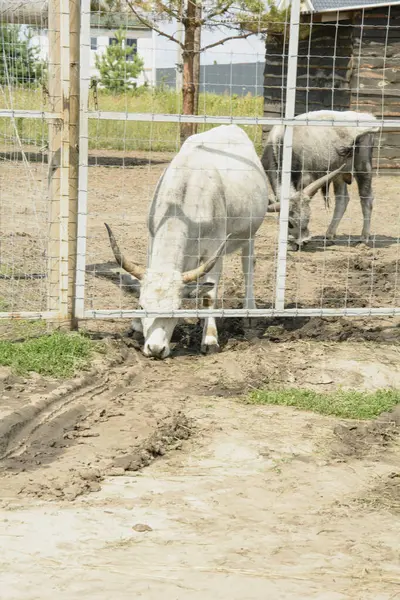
(135, 133)
(131, 128)
(24, 222)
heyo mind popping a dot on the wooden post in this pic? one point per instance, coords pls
(54, 159)
(74, 101)
(63, 158)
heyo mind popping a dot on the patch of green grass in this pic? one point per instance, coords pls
(348, 404)
(56, 355)
(129, 135)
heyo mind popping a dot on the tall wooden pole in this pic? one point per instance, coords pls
(64, 51)
(74, 101)
(54, 161)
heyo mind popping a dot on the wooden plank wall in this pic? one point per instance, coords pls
(323, 74)
(375, 81)
(351, 64)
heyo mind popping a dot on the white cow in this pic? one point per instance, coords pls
(214, 189)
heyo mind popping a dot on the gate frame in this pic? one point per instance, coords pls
(288, 122)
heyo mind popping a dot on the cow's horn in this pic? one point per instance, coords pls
(193, 275)
(313, 187)
(127, 265)
(274, 207)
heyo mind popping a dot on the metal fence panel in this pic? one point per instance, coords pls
(128, 139)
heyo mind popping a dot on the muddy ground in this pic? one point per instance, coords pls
(140, 478)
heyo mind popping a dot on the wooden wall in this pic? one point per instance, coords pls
(375, 80)
(323, 76)
(351, 64)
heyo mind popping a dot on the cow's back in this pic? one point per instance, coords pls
(216, 174)
(319, 148)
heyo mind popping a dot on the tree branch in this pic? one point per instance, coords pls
(227, 39)
(152, 26)
(217, 12)
(167, 9)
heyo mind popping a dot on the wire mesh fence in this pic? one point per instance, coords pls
(35, 137)
(24, 216)
(309, 260)
(322, 70)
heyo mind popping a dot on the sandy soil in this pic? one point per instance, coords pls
(236, 501)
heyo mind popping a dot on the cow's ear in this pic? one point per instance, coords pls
(197, 290)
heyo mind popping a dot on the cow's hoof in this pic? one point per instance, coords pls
(330, 237)
(210, 348)
(361, 243)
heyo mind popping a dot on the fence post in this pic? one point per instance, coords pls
(54, 156)
(64, 31)
(83, 160)
(287, 154)
(74, 105)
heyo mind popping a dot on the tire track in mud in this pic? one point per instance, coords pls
(20, 424)
(127, 412)
(110, 421)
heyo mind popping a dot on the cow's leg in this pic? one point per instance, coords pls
(136, 325)
(364, 182)
(248, 262)
(341, 201)
(209, 342)
(271, 168)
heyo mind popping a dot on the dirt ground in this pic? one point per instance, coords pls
(141, 478)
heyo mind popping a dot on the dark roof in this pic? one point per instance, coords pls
(321, 6)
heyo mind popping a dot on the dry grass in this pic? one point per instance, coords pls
(384, 495)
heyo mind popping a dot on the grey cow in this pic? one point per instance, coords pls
(318, 150)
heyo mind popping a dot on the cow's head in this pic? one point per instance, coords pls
(163, 290)
(299, 208)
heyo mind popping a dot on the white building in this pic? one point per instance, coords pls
(102, 34)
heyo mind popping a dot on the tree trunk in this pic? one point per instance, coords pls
(189, 88)
(196, 66)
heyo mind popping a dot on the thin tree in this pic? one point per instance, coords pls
(244, 19)
(119, 66)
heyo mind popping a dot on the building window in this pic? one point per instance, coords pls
(130, 43)
(112, 41)
(93, 43)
